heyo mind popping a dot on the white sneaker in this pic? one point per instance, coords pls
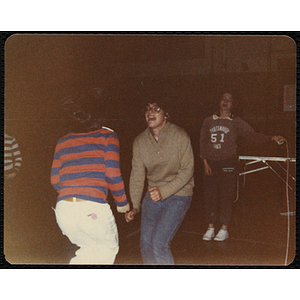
(222, 235)
(209, 234)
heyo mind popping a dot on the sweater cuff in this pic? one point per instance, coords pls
(138, 208)
(123, 209)
(164, 193)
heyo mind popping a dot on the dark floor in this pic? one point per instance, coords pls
(256, 237)
(257, 234)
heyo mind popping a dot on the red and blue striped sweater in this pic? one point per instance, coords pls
(86, 166)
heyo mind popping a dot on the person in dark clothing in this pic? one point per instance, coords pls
(218, 149)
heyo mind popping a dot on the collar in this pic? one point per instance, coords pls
(215, 117)
(162, 133)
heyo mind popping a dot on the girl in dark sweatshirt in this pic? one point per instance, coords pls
(218, 149)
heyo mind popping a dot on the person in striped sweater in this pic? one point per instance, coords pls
(12, 157)
(85, 167)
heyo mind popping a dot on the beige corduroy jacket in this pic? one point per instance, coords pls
(167, 163)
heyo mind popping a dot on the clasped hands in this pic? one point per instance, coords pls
(155, 195)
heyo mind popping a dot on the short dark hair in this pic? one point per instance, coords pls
(163, 102)
(80, 109)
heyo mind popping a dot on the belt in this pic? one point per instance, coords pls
(73, 199)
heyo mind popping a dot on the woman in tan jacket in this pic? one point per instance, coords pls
(163, 155)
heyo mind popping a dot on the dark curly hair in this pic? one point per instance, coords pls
(86, 109)
(163, 102)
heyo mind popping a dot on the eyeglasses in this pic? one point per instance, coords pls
(156, 109)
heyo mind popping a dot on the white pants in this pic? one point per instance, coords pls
(92, 227)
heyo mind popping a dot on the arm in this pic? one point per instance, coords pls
(207, 168)
(56, 164)
(17, 156)
(203, 142)
(204, 139)
(137, 176)
(137, 180)
(113, 173)
(16, 160)
(184, 174)
(245, 130)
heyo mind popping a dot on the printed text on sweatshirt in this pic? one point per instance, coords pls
(218, 137)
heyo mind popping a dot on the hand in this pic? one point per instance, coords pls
(279, 139)
(207, 168)
(129, 216)
(155, 193)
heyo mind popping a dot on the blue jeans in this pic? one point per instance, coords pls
(160, 222)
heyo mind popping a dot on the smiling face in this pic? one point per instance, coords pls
(155, 116)
(226, 103)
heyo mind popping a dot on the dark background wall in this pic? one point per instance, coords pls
(193, 70)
